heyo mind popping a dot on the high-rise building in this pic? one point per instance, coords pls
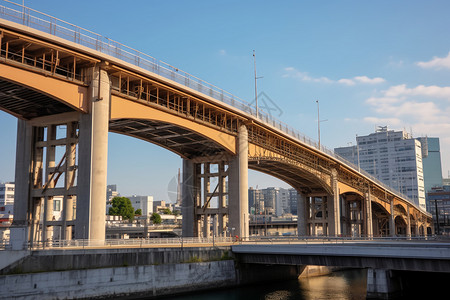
(255, 201)
(432, 166)
(293, 201)
(282, 202)
(270, 198)
(431, 160)
(393, 157)
(439, 207)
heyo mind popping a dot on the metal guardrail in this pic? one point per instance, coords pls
(214, 241)
(118, 243)
(37, 20)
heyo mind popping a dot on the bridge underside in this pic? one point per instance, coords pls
(292, 175)
(27, 103)
(182, 141)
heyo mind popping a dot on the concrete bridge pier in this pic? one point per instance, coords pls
(200, 216)
(302, 215)
(45, 175)
(20, 229)
(238, 187)
(334, 213)
(93, 157)
(383, 284)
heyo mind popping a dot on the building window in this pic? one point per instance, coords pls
(56, 205)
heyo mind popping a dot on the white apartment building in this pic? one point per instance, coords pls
(282, 202)
(145, 203)
(6, 193)
(393, 157)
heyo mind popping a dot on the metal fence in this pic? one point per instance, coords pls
(37, 20)
(118, 243)
(215, 241)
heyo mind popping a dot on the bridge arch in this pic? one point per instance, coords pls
(49, 95)
(176, 133)
(352, 213)
(380, 217)
(297, 175)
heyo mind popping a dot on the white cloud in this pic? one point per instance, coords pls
(431, 91)
(383, 121)
(291, 72)
(365, 79)
(346, 81)
(436, 63)
(222, 52)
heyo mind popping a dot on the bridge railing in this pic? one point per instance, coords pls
(117, 243)
(216, 241)
(37, 20)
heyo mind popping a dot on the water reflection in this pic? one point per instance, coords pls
(348, 284)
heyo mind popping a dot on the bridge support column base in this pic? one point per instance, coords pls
(383, 284)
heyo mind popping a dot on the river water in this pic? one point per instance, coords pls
(339, 285)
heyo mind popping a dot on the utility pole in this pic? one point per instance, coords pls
(256, 89)
(318, 121)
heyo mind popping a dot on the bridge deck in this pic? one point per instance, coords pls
(412, 256)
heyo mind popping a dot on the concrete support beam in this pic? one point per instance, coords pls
(334, 214)
(93, 154)
(187, 198)
(302, 216)
(20, 230)
(238, 187)
(368, 215)
(408, 223)
(382, 284)
(392, 221)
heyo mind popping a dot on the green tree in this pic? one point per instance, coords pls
(155, 218)
(138, 212)
(121, 206)
(166, 211)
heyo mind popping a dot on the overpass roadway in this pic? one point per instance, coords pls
(389, 255)
(53, 73)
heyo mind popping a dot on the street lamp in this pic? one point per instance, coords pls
(318, 121)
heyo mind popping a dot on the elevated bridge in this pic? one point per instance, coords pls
(69, 87)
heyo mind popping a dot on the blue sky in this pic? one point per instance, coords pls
(369, 63)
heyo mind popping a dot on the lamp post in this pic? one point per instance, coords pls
(318, 121)
(256, 89)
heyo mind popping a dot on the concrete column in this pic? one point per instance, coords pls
(93, 154)
(238, 187)
(207, 226)
(301, 212)
(48, 200)
(382, 284)
(392, 220)
(408, 223)
(19, 229)
(368, 214)
(334, 214)
(187, 198)
(313, 217)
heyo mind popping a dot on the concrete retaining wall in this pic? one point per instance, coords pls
(63, 260)
(150, 280)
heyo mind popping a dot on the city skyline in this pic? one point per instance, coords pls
(365, 72)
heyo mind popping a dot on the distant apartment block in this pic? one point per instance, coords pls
(272, 201)
(6, 193)
(145, 203)
(432, 166)
(439, 207)
(393, 157)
